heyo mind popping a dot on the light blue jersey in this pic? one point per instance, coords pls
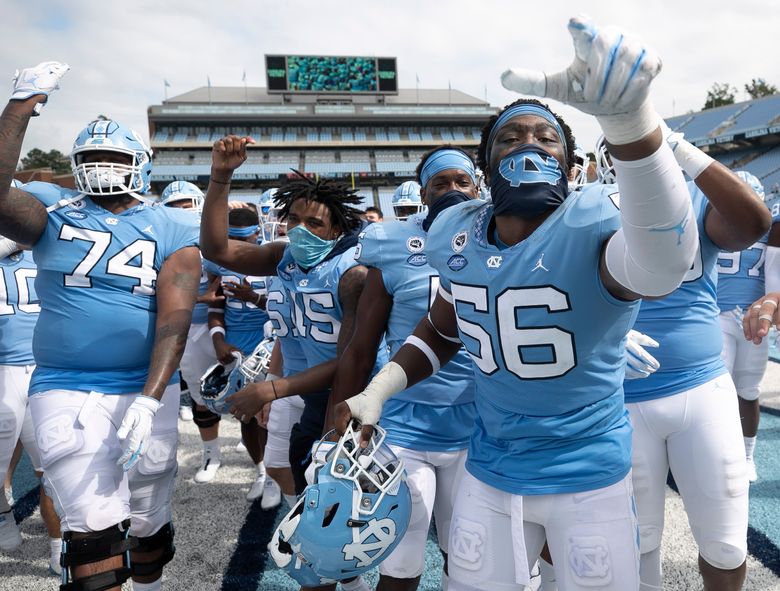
(243, 320)
(280, 314)
(438, 413)
(685, 324)
(547, 342)
(741, 274)
(97, 275)
(19, 308)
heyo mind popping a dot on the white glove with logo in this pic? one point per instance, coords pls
(610, 78)
(639, 363)
(42, 79)
(136, 428)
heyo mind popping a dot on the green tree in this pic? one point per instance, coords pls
(759, 87)
(53, 159)
(719, 95)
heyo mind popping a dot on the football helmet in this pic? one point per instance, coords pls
(273, 228)
(580, 168)
(753, 181)
(102, 179)
(604, 169)
(351, 518)
(407, 200)
(266, 202)
(182, 191)
(255, 367)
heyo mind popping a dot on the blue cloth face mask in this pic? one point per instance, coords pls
(441, 203)
(528, 182)
(306, 248)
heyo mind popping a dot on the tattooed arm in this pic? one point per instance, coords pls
(22, 216)
(177, 290)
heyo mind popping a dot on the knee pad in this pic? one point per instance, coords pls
(749, 393)
(93, 547)
(649, 538)
(723, 556)
(161, 541)
(205, 418)
(7, 427)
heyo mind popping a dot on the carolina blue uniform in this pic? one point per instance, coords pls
(547, 342)
(436, 414)
(97, 275)
(280, 314)
(741, 274)
(243, 321)
(317, 314)
(685, 324)
(19, 308)
(200, 313)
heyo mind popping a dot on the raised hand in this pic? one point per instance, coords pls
(42, 80)
(229, 153)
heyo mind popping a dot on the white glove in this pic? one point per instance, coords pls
(690, 158)
(136, 427)
(8, 247)
(639, 363)
(610, 78)
(42, 79)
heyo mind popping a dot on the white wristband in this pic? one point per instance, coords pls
(627, 128)
(216, 329)
(690, 158)
(366, 407)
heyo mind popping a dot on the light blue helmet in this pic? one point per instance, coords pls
(221, 381)
(17, 184)
(407, 200)
(753, 181)
(267, 201)
(184, 192)
(350, 519)
(101, 179)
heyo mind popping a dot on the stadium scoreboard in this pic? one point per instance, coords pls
(331, 74)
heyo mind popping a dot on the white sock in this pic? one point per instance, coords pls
(213, 447)
(650, 571)
(357, 585)
(291, 500)
(154, 586)
(750, 446)
(55, 546)
(547, 572)
(261, 469)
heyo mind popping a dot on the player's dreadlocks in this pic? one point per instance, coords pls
(484, 165)
(432, 151)
(338, 197)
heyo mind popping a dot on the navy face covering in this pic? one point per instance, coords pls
(449, 199)
(528, 182)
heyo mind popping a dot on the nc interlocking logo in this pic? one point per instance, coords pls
(530, 168)
(589, 561)
(494, 262)
(370, 542)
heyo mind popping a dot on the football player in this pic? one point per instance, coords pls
(237, 325)
(428, 425)
(317, 269)
(541, 287)
(740, 282)
(406, 200)
(19, 308)
(685, 415)
(117, 280)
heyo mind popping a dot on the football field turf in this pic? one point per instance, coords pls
(221, 539)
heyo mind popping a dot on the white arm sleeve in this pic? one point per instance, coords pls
(658, 240)
(366, 407)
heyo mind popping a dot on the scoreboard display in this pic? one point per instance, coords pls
(331, 74)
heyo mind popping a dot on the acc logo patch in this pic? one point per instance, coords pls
(459, 241)
(456, 262)
(415, 244)
(418, 260)
(76, 215)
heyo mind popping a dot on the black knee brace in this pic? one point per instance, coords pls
(94, 547)
(204, 418)
(162, 540)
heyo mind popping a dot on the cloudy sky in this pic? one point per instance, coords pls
(120, 52)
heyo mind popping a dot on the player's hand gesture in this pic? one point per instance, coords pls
(249, 401)
(761, 316)
(40, 81)
(229, 153)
